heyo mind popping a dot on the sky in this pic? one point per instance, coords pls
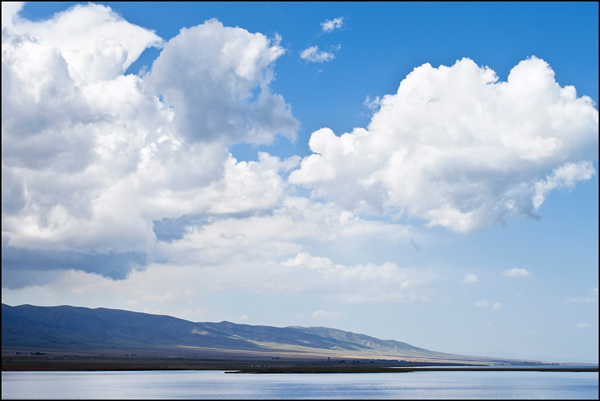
(422, 172)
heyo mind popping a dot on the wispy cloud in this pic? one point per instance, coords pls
(581, 299)
(331, 25)
(313, 55)
(470, 278)
(484, 303)
(565, 176)
(372, 104)
(583, 325)
(322, 315)
(516, 272)
(593, 298)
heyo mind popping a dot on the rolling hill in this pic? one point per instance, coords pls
(77, 329)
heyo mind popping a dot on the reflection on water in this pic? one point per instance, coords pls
(218, 385)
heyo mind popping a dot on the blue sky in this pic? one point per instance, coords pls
(424, 172)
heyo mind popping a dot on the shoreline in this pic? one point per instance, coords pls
(412, 370)
(86, 363)
(235, 361)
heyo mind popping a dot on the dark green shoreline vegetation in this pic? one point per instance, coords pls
(244, 363)
(210, 360)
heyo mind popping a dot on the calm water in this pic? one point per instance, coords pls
(217, 384)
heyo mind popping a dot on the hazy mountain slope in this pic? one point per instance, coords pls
(282, 335)
(83, 328)
(366, 341)
(75, 328)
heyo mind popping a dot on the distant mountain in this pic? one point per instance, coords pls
(68, 328)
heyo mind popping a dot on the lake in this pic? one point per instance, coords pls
(219, 385)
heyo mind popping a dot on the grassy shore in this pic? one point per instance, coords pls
(244, 364)
(376, 369)
(87, 363)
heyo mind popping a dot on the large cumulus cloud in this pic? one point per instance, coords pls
(457, 148)
(92, 159)
(216, 78)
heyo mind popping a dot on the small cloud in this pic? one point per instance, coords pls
(593, 298)
(482, 304)
(328, 315)
(320, 314)
(190, 314)
(313, 54)
(372, 104)
(243, 318)
(470, 278)
(581, 299)
(311, 262)
(331, 25)
(516, 272)
(142, 71)
(583, 325)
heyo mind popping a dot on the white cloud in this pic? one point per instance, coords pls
(364, 282)
(593, 298)
(516, 272)
(311, 262)
(313, 55)
(372, 104)
(482, 304)
(69, 147)
(328, 315)
(95, 41)
(459, 149)
(238, 252)
(323, 315)
(583, 325)
(285, 228)
(208, 74)
(581, 299)
(180, 282)
(244, 268)
(470, 278)
(331, 25)
(92, 158)
(564, 176)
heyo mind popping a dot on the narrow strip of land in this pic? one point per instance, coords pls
(251, 365)
(349, 369)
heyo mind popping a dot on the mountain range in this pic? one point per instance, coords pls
(78, 329)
